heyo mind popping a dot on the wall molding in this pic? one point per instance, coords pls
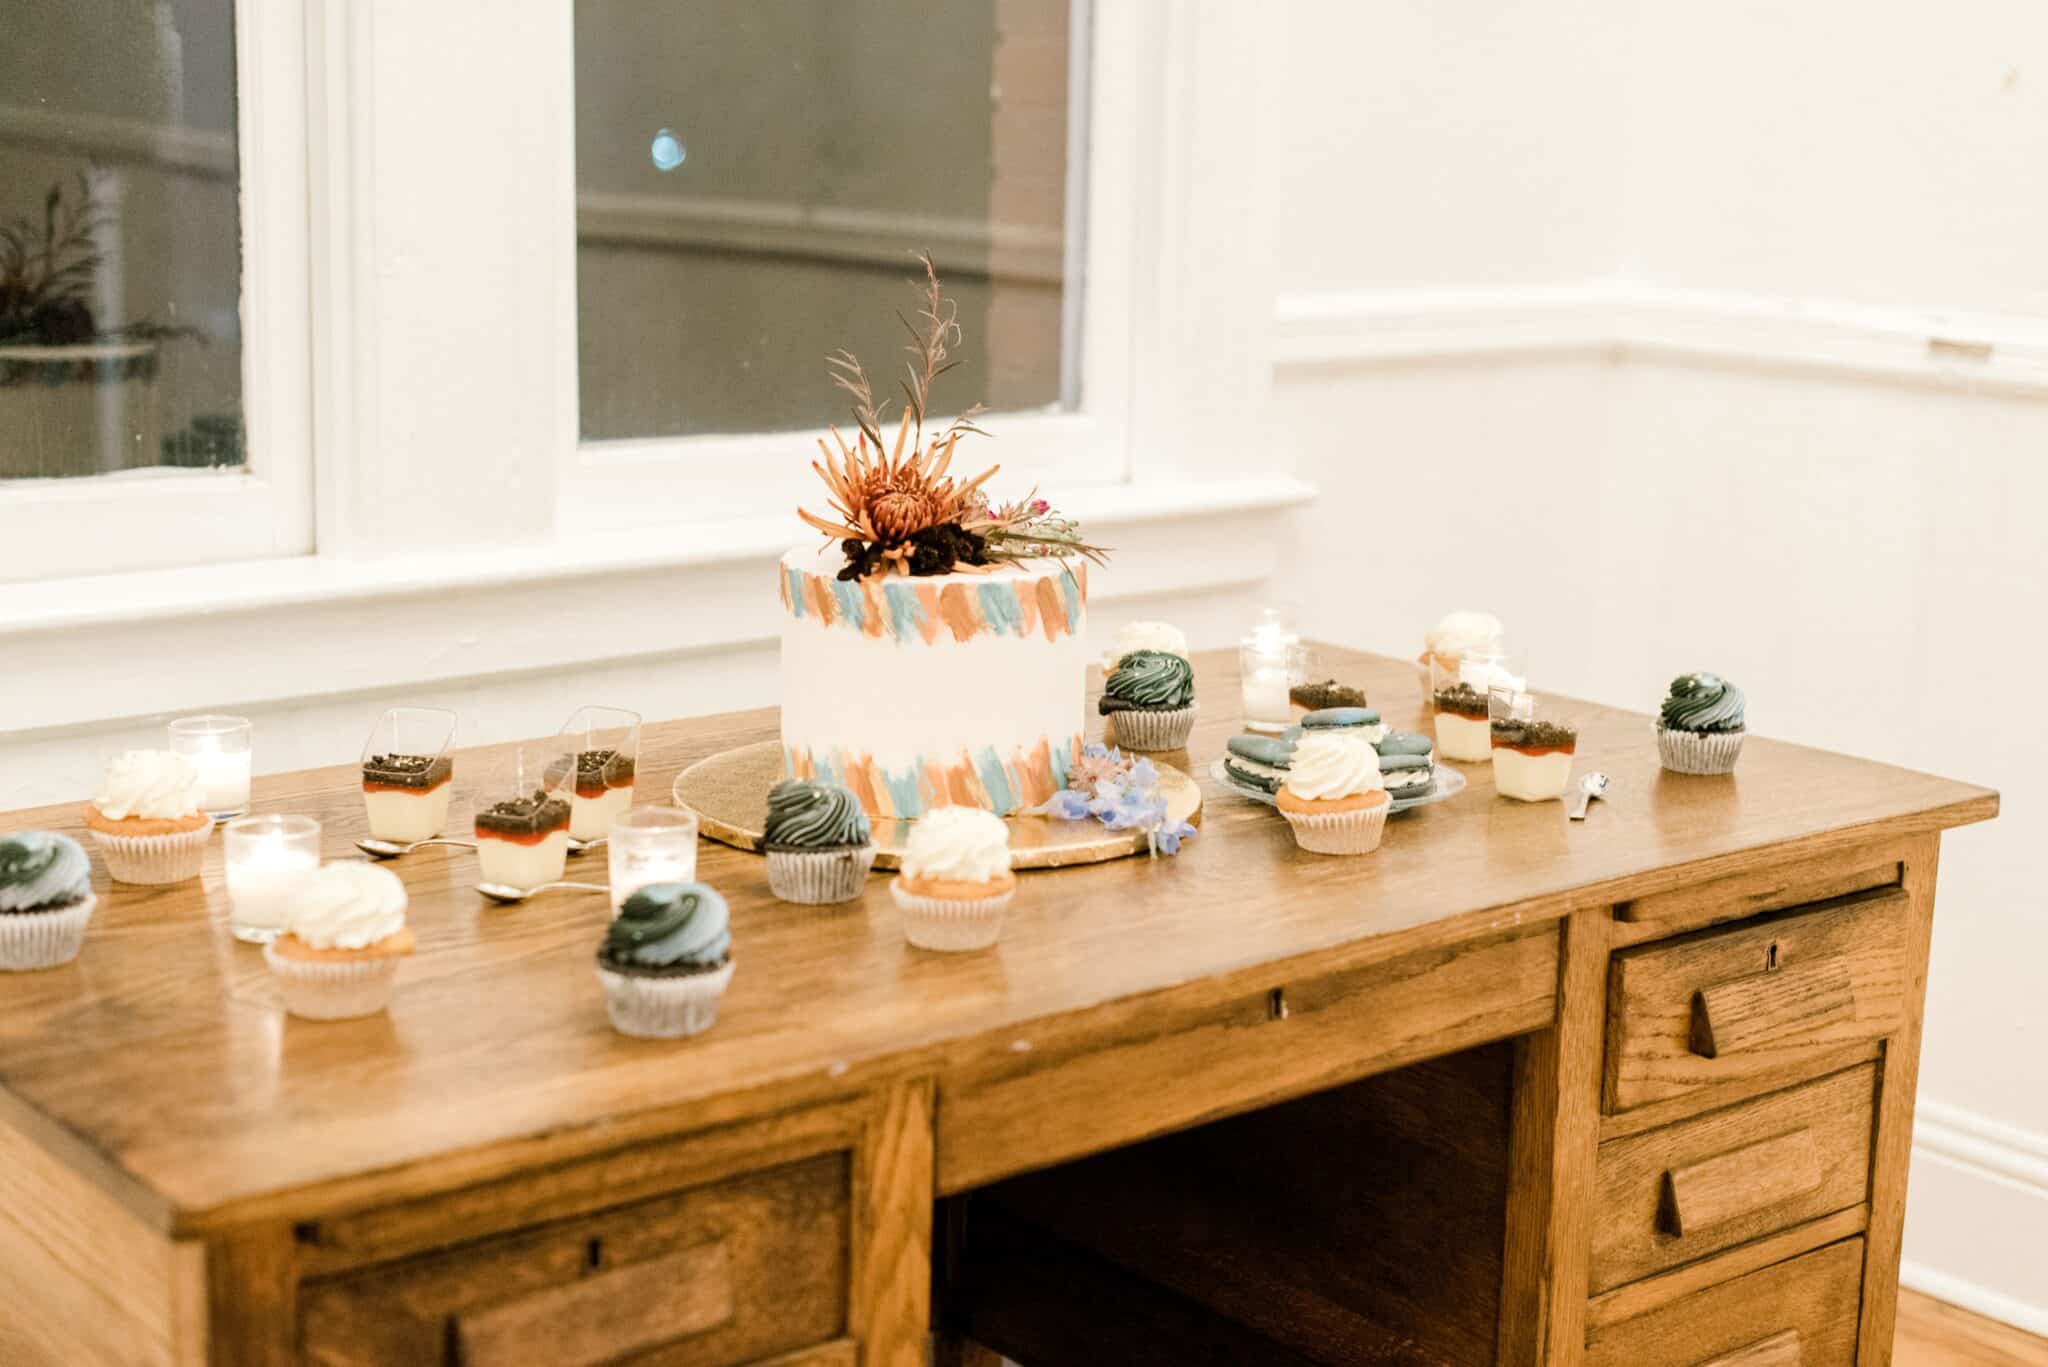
(1968, 1168)
(1993, 353)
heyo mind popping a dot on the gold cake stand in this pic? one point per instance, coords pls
(729, 794)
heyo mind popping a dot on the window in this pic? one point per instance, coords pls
(755, 181)
(124, 325)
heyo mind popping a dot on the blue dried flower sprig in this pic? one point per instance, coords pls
(1122, 792)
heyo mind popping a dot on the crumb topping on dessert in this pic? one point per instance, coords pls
(1534, 735)
(407, 771)
(1462, 700)
(1328, 693)
(524, 815)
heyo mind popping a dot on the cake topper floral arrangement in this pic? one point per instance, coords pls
(1122, 792)
(895, 509)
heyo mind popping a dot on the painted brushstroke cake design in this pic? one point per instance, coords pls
(932, 647)
(931, 691)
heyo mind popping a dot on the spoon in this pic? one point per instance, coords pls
(504, 892)
(1594, 785)
(391, 849)
(579, 846)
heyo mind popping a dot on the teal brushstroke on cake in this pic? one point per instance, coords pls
(853, 604)
(903, 792)
(995, 779)
(1070, 588)
(1000, 609)
(906, 613)
(1062, 762)
(796, 592)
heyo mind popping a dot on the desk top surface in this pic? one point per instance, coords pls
(161, 1064)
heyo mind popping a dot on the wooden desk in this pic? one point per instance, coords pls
(488, 1173)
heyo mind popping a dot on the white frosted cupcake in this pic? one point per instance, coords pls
(147, 819)
(338, 957)
(45, 900)
(1334, 797)
(1450, 640)
(818, 842)
(956, 881)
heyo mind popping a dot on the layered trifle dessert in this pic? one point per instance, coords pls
(523, 842)
(1462, 730)
(603, 792)
(1532, 760)
(406, 796)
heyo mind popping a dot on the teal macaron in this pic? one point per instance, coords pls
(1262, 750)
(1328, 717)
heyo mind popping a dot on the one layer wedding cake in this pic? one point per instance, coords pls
(933, 649)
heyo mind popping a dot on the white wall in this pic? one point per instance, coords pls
(1645, 345)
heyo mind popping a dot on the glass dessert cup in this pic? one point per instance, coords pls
(651, 845)
(409, 773)
(220, 752)
(1532, 760)
(604, 743)
(1460, 700)
(522, 819)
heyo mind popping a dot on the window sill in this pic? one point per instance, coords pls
(111, 647)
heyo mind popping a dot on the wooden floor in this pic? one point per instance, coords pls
(1932, 1334)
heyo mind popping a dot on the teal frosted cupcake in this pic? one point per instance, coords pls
(46, 898)
(666, 961)
(1149, 699)
(1701, 725)
(818, 842)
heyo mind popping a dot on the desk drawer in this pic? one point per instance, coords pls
(1697, 1187)
(1137, 1070)
(1725, 1005)
(1800, 1313)
(724, 1274)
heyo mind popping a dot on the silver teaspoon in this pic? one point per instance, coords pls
(579, 846)
(391, 849)
(1594, 785)
(504, 892)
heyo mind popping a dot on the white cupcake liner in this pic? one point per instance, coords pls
(668, 1007)
(951, 924)
(333, 989)
(43, 939)
(154, 858)
(1137, 730)
(1353, 832)
(820, 877)
(1699, 752)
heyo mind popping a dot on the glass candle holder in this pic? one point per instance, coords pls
(651, 845)
(269, 860)
(522, 815)
(219, 750)
(605, 747)
(1268, 670)
(409, 773)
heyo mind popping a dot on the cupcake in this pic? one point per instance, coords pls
(1314, 697)
(344, 935)
(956, 881)
(818, 843)
(45, 900)
(1333, 797)
(1701, 725)
(1150, 699)
(666, 961)
(147, 819)
(1462, 730)
(1159, 636)
(1451, 639)
(1532, 760)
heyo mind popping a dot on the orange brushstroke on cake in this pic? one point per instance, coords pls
(957, 608)
(800, 765)
(928, 617)
(1027, 615)
(782, 589)
(1081, 580)
(860, 778)
(1034, 774)
(819, 595)
(1052, 608)
(871, 620)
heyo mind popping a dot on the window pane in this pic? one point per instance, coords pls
(120, 246)
(754, 180)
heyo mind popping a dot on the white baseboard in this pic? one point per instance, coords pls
(1977, 1215)
(1999, 353)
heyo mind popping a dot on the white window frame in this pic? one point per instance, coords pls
(88, 525)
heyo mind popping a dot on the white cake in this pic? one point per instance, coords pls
(930, 691)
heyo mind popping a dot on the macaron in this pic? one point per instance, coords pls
(1407, 775)
(1403, 743)
(1265, 750)
(1263, 777)
(1324, 717)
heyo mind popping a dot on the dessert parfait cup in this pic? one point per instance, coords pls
(522, 816)
(409, 773)
(1460, 700)
(604, 746)
(1532, 754)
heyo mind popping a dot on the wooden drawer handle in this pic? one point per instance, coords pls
(1740, 1182)
(1771, 1008)
(606, 1316)
(1779, 1350)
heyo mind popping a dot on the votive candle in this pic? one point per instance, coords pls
(269, 861)
(219, 749)
(651, 845)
